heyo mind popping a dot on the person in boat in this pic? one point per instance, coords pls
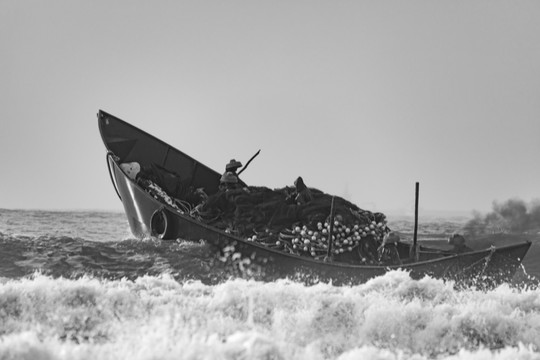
(233, 166)
(229, 180)
(303, 194)
(458, 244)
(388, 252)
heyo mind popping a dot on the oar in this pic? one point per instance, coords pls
(253, 157)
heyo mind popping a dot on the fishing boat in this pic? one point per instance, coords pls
(149, 215)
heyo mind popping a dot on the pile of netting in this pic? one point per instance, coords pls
(273, 218)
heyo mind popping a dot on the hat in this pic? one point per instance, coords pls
(233, 165)
(229, 178)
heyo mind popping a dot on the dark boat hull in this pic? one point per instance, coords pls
(250, 259)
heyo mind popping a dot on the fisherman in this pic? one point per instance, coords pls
(233, 166)
(458, 243)
(303, 194)
(229, 180)
(388, 252)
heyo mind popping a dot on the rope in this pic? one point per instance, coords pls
(111, 154)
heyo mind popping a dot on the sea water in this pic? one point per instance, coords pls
(77, 285)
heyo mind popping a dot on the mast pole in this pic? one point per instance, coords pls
(415, 237)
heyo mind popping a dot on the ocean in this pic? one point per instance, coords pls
(78, 285)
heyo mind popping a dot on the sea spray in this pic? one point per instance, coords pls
(156, 317)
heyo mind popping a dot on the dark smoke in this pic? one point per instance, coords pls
(511, 216)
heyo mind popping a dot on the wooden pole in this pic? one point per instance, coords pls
(415, 238)
(329, 253)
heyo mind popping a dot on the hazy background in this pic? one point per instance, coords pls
(361, 98)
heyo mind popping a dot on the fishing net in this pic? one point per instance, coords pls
(284, 219)
(273, 218)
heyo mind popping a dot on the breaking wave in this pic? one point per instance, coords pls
(76, 285)
(157, 317)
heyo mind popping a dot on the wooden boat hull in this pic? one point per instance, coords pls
(251, 259)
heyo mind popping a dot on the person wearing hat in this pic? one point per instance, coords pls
(230, 172)
(303, 194)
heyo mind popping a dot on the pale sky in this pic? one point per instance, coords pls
(360, 98)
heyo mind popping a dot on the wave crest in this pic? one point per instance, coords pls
(157, 316)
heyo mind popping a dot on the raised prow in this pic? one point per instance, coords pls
(130, 143)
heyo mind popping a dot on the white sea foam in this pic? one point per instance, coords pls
(390, 317)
